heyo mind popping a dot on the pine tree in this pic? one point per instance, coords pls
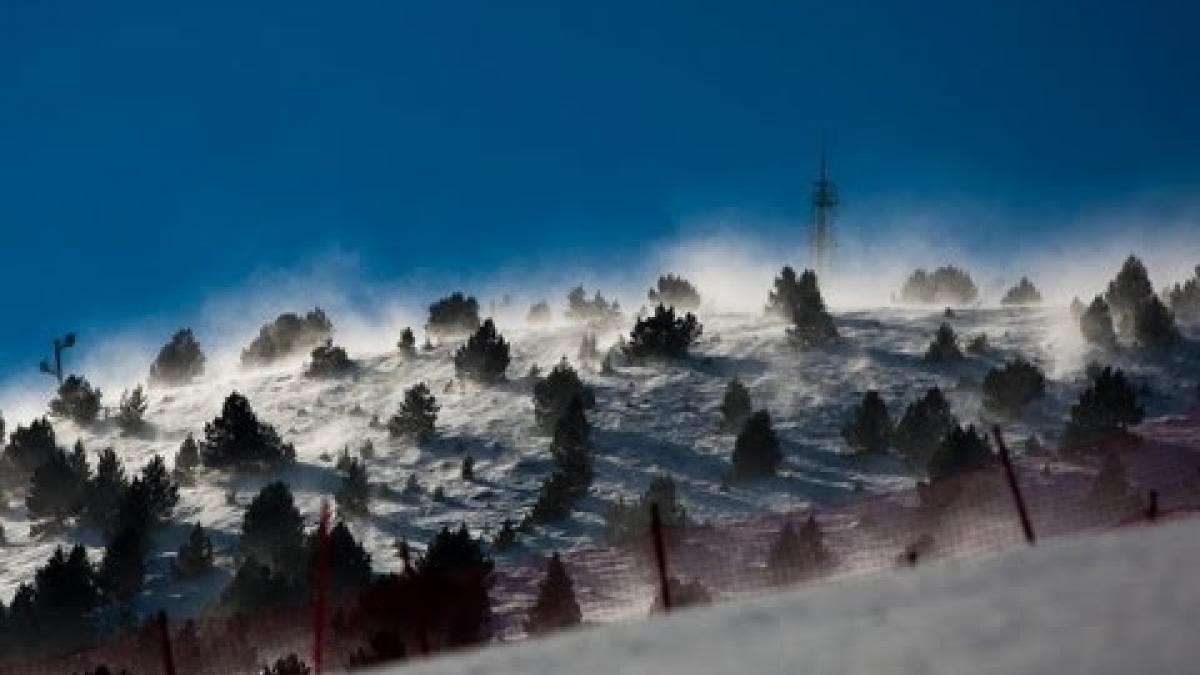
(674, 291)
(947, 284)
(484, 357)
(756, 452)
(924, 424)
(161, 492)
(179, 361)
(1077, 308)
(597, 311)
(869, 428)
(944, 347)
(418, 414)
(588, 351)
(195, 556)
(273, 529)
(553, 393)
(1184, 299)
(812, 324)
(782, 301)
(798, 553)
(1008, 390)
(1096, 324)
(539, 313)
(237, 439)
(1024, 293)
(572, 452)
(77, 400)
(188, 457)
(329, 360)
(663, 335)
(132, 413)
(555, 607)
(454, 314)
(506, 538)
(736, 406)
(961, 450)
(1127, 291)
(56, 489)
(64, 594)
(123, 568)
(256, 586)
(288, 665)
(457, 573)
(1154, 325)
(105, 490)
(408, 343)
(28, 448)
(354, 494)
(349, 562)
(1104, 412)
(555, 497)
(288, 335)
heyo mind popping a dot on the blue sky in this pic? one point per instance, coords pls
(152, 154)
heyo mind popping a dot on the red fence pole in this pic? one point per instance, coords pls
(1011, 475)
(164, 636)
(660, 554)
(322, 586)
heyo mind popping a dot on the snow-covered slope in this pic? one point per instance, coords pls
(648, 421)
(1118, 603)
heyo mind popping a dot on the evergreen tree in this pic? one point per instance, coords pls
(354, 493)
(329, 360)
(77, 400)
(947, 284)
(1096, 324)
(349, 562)
(65, 592)
(1127, 291)
(28, 448)
(195, 556)
(123, 568)
(674, 291)
(554, 499)
(161, 493)
(624, 522)
(484, 357)
(506, 538)
(869, 428)
(273, 529)
(418, 414)
(978, 345)
(944, 347)
(105, 490)
(572, 453)
(587, 348)
(456, 573)
(924, 424)
(408, 343)
(663, 335)
(237, 439)
(454, 314)
(756, 452)
(256, 587)
(467, 470)
(782, 301)
(1154, 324)
(736, 406)
(597, 311)
(959, 451)
(188, 457)
(132, 413)
(553, 393)
(539, 313)
(288, 335)
(1024, 293)
(798, 553)
(1104, 412)
(1009, 389)
(1184, 299)
(56, 489)
(288, 665)
(179, 361)
(555, 607)
(1077, 308)
(812, 325)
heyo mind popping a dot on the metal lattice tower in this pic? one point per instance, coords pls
(820, 236)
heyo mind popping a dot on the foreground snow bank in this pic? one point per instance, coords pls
(1122, 602)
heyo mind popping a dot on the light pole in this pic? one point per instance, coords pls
(60, 344)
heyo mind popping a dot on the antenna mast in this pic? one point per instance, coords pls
(824, 201)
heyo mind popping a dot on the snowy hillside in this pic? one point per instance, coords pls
(1118, 603)
(648, 421)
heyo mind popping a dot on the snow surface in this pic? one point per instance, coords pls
(1118, 603)
(648, 421)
